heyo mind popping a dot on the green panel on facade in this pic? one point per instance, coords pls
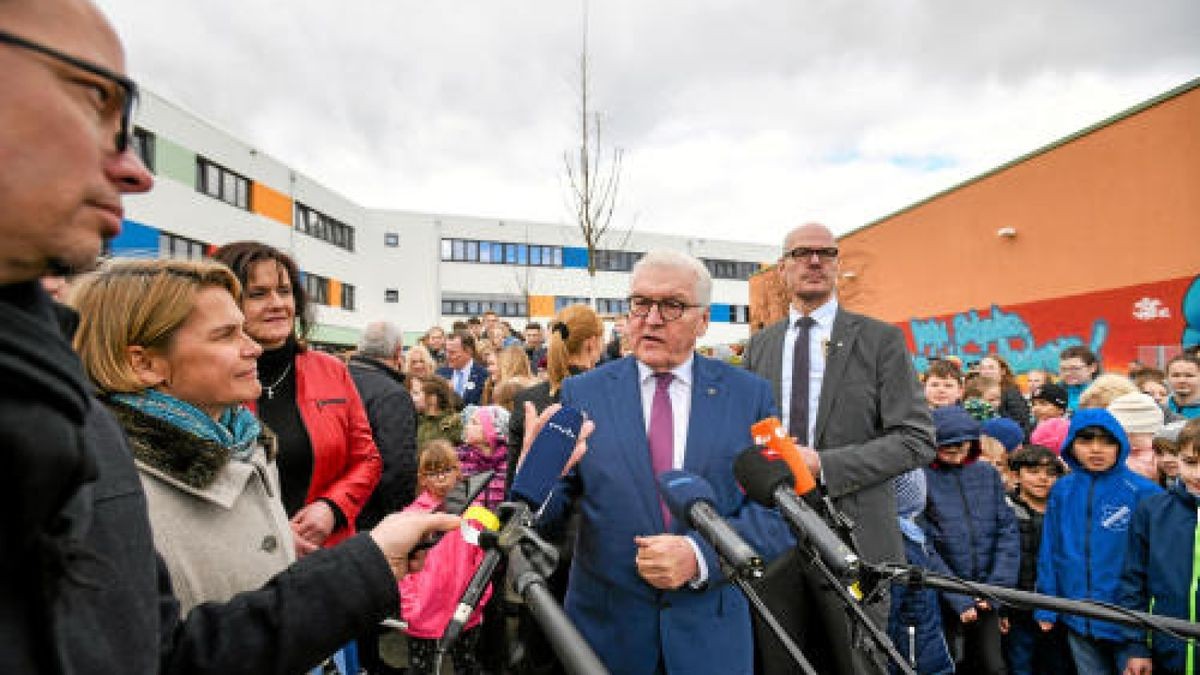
(174, 161)
(323, 333)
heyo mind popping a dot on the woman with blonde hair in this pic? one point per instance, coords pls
(512, 370)
(1104, 389)
(418, 362)
(165, 344)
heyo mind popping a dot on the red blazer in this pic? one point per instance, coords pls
(346, 463)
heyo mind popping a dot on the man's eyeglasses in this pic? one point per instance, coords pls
(669, 309)
(804, 253)
(127, 87)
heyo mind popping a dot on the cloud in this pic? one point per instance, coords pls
(737, 119)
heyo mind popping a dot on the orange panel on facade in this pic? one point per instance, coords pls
(541, 305)
(270, 203)
(335, 293)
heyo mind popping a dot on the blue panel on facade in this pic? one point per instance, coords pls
(135, 240)
(719, 313)
(574, 257)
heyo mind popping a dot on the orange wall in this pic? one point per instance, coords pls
(270, 203)
(1117, 207)
(335, 293)
(541, 305)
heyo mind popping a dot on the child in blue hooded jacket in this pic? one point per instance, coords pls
(1085, 535)
(975, 533)
(1162, 565)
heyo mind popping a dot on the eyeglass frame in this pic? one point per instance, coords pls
(680, 307)
(805, 253)
(124, 136)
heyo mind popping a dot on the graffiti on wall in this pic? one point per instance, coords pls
(1113, 323)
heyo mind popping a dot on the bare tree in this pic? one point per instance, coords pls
(592, 175)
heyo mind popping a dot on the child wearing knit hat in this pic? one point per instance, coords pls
(1141, 417)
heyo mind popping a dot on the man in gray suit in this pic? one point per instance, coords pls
(850, 396)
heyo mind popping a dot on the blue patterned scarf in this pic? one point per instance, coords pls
(238, 429)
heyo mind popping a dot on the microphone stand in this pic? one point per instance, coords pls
(530, 561)
(760, 608)
(852, 605)
(1101, 611)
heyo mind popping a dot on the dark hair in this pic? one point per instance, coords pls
(458, 326)
(1189, 435)
(1184, 357)
(1008, 379)
(439, 388)
(465, 339)
(474, 321)
(1035, 455)
(533, 324)
(1149, 375)
(1079, 352)
(943, 369)
(242, 256)
(1093, 432)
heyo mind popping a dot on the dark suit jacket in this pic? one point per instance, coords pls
(473, 390)
(872, 424)
(630, 624)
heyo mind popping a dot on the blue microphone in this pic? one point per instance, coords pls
(547, 457)
(691, 500)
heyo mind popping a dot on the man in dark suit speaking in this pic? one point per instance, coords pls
(647, 591)
(849, 395)
(464, 374)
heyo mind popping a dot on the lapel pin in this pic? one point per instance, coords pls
(712, 391)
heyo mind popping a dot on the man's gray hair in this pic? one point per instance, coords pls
(380, 340)
(666, 258)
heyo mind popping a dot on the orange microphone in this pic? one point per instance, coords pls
(770, 434)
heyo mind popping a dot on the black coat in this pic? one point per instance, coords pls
(393, 419)
(82, 589)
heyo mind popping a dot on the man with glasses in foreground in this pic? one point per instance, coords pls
(851, 399)
(81, 587)
(645, 590)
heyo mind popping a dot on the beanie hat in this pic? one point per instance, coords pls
(1052, 393)
(954, 426)
(1051, 433)
(1008, 432)
(910, 493)
(494, 422)
(1137, 413)
(1170, 432)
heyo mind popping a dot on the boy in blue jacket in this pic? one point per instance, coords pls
(1161, 565)
(1085, 535)
(974, 532)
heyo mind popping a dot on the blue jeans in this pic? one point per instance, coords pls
(1092, 656)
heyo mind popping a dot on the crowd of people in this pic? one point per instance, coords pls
(196, 488)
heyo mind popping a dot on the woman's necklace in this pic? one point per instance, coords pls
(271, 387)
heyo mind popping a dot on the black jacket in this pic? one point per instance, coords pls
(81, 587)
(393, 419)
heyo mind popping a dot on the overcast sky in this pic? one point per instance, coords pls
(737, 119)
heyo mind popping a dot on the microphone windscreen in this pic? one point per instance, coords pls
(770, 432)
(681, 489)
(547, 457)
(760, 475)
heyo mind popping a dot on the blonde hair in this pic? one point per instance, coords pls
(512, 361)
(420, 353)
(1104, 389)
(577, 323)
(137, 303)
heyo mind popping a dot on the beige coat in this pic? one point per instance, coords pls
(230, 536)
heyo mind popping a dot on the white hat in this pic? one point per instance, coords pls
(1137, 413)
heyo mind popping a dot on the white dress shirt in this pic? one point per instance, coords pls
(818, 337)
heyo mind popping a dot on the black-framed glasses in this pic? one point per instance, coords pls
(668, 308)
(805, 253)
(127, 86)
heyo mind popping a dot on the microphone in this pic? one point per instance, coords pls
(479, 581)
(770, 434)
(765, 479)
(547, 457)
(690, 499)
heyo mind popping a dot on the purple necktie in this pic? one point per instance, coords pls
(662, 434)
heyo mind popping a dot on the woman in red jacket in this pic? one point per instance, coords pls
(328, 463)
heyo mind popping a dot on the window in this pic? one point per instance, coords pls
(616, 261)
(180, 248)
(316, 224)
(612, 306)
(739, 314)
(500, 253)
(218, 182)
(391, 295)
(730, 269)
(348, 296)
(316, 286)
(506, 306)
(143, 145)
(563, 301)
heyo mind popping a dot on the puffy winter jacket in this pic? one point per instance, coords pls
(971, 525)
(1085, 533)
(1159, 572)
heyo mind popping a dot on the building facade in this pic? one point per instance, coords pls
(361, 264)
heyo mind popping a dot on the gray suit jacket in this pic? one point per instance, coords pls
(872, 421)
